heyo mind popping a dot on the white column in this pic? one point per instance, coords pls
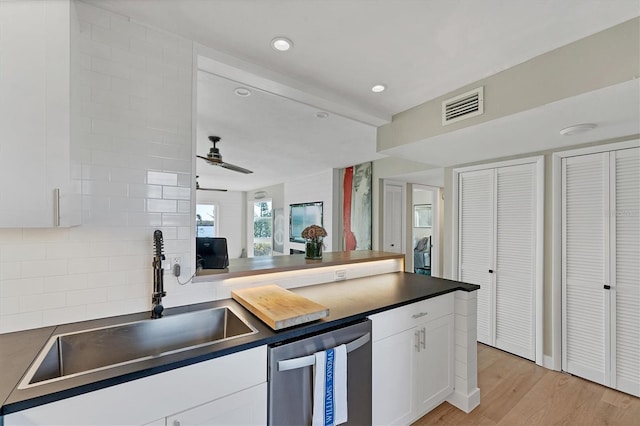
(466, 395)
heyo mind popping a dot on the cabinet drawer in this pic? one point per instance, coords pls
(396, 320)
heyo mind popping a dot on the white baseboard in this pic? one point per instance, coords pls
(465, 403)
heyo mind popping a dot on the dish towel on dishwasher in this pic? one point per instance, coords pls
(330, 387)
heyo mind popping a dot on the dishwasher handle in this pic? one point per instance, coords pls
(309, 360)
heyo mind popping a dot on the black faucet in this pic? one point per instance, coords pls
(158, 285)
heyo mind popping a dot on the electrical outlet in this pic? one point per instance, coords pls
(176, 260)
(340, 275)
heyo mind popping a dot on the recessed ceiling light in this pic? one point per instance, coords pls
(322, 114)
(281, 44)
(578, 128)
(378, 88)
(242, 91)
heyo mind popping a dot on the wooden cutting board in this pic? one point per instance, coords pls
(277, 307)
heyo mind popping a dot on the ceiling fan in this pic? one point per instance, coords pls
(214, 158)
(207, 189)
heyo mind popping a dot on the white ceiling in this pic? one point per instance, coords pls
(420, 49)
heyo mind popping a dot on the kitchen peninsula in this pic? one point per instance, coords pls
(440, 313)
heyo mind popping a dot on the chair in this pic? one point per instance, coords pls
(422, 256)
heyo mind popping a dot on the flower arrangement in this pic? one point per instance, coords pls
(314, 233)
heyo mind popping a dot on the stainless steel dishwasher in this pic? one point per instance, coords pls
(291, 375)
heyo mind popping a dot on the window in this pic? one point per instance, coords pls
(206, 221)
(262, 228)
(422, 216)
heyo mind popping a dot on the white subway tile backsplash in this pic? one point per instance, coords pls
(129, 175)
(176, 193)
(21, 321)
(145, 191)
(144, 219)
(145, 48)
(10, 270)
(9, 305)
(64, 315)
(21, 287)
(184, 206)
(162, 178)
(126, 27)
(93, 15)
(40, 302)
(67, 250)
(86, 266)
(162, 206)
(94, 48)
(86, 296)
(64, 283)
(104, 279)
(129, 291)
(169, 219)
(121, 204)
(16, 253)
(44, 268)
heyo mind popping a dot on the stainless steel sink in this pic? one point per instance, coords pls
(72, 354)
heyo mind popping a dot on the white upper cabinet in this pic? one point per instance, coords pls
(35, 118)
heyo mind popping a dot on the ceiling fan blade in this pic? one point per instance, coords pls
(211, 189)
(235, 168)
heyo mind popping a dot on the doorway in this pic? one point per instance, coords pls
(425, 229)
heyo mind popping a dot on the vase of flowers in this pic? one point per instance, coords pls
(313, 236)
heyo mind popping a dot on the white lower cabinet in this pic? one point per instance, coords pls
(229, 390)
(412, 360)
(247, 408)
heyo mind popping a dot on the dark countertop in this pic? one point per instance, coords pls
(348, 301)
(269, 264)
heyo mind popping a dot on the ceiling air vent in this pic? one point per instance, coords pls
(463, 106)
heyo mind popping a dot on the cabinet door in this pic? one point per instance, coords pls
(35, 57)
(393, 377)
(434, 363)
(248, 407)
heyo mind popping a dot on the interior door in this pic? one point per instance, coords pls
(515, 269)
(625, 284)
(476, 233)
(585, 222)
(393, 223)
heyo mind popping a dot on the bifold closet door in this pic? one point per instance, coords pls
(625, 271)
(497, 250)
(585, 223)
(600, 267)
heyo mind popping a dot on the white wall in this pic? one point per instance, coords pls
(318, 187)
(231, 217)
(133, 138)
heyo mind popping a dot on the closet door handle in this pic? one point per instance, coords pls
(607, 287)
(491, 271)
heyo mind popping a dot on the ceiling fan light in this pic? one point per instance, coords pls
(378, 88)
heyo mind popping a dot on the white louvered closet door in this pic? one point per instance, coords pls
(476, 241)
(625, 276)
(601, 257)
(515, 271)
(585, 183)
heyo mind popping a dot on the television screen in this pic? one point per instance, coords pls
(211, 253)
(302, 215)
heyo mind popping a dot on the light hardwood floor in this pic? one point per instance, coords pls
(514, 391)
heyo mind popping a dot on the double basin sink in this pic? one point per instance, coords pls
(72, 354)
